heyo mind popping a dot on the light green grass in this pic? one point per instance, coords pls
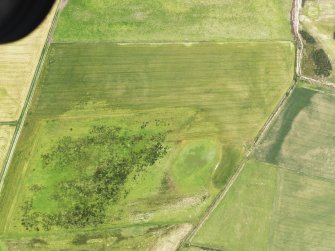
(207, 97)
(242, 220)
(302, 137)
(174, 20)
(304, 218)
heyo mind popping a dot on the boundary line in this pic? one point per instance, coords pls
(28, 100)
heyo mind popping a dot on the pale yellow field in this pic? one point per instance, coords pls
(318, 18)
(18, 62)
(6, 134)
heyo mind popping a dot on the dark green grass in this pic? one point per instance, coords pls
(302, 137)
(299, 99)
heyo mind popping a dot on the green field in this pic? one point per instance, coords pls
(302, 136)
(202, 102)
(174, 20)
(304, 214)
(271, 208)
(242, 221)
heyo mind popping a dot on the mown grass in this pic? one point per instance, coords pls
(304, 214)
(174, 20)
(302, 137)
(243, 220)
(206, 97)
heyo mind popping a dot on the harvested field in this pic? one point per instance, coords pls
(6, 134)
(18, 63)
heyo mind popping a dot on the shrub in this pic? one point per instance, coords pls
(307, 37)
(323, 66)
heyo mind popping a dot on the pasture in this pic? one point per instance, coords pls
(17, 66)
(198, 102)
(303, 218)
(242, 221)
(174, 20)
(301, 137)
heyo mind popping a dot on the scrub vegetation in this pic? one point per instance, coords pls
(318, 20)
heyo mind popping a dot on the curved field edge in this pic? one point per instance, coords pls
(224, 121)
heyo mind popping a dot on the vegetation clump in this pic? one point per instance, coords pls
(99, 164)
(322, 63)
(307, 37)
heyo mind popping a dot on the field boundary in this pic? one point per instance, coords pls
(295, 30)
(188, 42)
(24, 112)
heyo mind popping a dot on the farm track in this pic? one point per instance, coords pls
(19, 124)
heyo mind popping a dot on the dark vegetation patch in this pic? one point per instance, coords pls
(315, 62)
(300, 99)
(307, 37)
(228, 165)
(99, 164)
(322, 63)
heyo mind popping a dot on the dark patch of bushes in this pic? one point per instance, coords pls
(103, 161)
(322, 63)
(307, 37)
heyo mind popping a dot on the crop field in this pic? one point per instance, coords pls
(272, 208)
(6, 133)
(174, 20)
(164, 125)
(304, 214)
(243, 220)
(17, 66)
(318, 19)
(302, 137)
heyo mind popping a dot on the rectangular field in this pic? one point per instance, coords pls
(209, 100)
(302, 137)
(174, 20)
(242, 221)
(18, 63)
(304, 216)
